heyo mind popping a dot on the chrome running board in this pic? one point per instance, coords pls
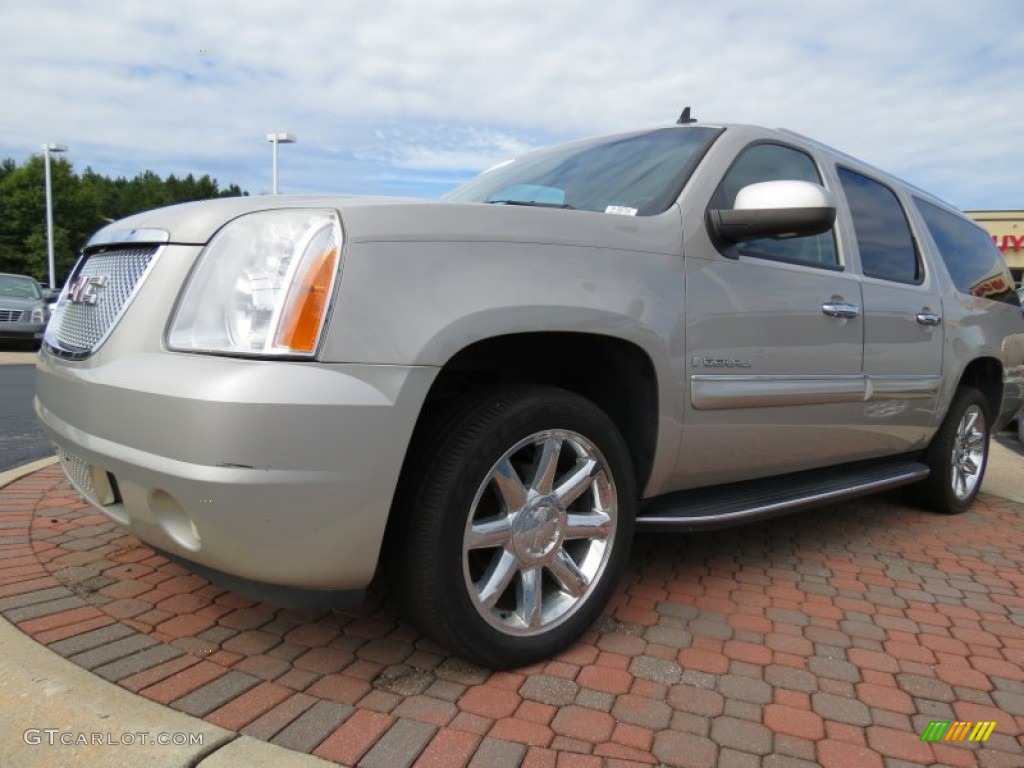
(722, 506)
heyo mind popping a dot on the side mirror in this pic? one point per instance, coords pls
(50, 295)
(777, 209)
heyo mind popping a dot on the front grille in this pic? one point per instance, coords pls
(77, 471)
(11, 315)
(77, 328)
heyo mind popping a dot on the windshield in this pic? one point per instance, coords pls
(22, 287)
(638, 174)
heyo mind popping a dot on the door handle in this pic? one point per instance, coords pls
(928, 318)
(840, 310)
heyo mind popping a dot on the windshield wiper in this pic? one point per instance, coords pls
(531, 203)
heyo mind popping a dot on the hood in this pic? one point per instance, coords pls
(388, 219)
(19, 302)
(195, 223)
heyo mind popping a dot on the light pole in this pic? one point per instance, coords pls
(275, 139)
(47, 149)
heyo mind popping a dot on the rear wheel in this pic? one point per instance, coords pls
(515, 528)
(957, 456)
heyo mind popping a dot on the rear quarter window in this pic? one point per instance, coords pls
(971, 258)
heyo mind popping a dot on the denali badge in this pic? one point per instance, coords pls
(85, 290)
(719, 362)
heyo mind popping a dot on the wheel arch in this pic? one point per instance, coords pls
(616, 375)
(986, 375)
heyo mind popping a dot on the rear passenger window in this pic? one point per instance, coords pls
(775, 162)
(970, 256)
(887, 249)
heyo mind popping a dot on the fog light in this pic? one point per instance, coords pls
(174, 520)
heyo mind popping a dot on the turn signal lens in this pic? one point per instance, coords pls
(306, 305)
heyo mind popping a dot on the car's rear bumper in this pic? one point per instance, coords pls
(278, 472)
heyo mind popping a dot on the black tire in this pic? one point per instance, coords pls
(950, 488)
(436, 560)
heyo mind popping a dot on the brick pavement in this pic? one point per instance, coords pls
(831, 637)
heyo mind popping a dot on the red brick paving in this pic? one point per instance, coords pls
(894, 616)
(353, 738)
(239, 712)
(448, 749)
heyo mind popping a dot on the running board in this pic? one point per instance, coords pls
(722, 506)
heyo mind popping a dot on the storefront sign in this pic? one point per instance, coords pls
(1009, 242)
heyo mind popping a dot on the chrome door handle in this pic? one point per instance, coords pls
(928, 318)
(840, 310)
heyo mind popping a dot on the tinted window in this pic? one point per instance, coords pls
(636, 174)
(774, 162)
(972, 259)
(886, 246)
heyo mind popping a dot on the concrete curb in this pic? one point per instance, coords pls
(40, 690)
(1003, 475)
(18, 358)
(8, 477)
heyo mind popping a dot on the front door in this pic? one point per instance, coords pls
(774, 345)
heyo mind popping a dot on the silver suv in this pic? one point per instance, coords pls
(672, 329)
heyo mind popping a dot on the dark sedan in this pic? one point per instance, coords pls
(23, 309)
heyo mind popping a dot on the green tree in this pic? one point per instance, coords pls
(82, 203)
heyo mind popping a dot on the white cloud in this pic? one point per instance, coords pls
(929, 89)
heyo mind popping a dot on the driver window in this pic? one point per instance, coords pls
(774, 162)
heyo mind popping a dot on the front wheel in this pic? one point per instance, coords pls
(514, 530)
(957, 456)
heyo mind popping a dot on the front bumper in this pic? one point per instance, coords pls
(277, 472)
(22, 331)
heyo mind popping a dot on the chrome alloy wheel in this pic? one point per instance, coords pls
(968, 456)
(540, 532)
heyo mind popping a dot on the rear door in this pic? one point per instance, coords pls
(903, 324)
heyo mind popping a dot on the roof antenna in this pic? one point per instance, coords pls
(685, 119)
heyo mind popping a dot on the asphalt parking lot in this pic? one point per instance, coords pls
(21, 437)
(831, 637)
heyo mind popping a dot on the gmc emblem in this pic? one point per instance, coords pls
(85, 290)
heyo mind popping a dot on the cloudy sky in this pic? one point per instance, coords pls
(412, 96)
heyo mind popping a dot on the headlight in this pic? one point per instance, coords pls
(262, 286)
(38, 315)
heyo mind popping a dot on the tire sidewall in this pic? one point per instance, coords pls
(941, 453)
(567, 412)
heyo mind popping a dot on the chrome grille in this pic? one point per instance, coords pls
(10, 315)
(77, 471)
(77, 328)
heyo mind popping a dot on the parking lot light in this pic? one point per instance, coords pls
(275, 139)
(47, 149)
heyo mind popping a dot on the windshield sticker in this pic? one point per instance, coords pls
(621, 210)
